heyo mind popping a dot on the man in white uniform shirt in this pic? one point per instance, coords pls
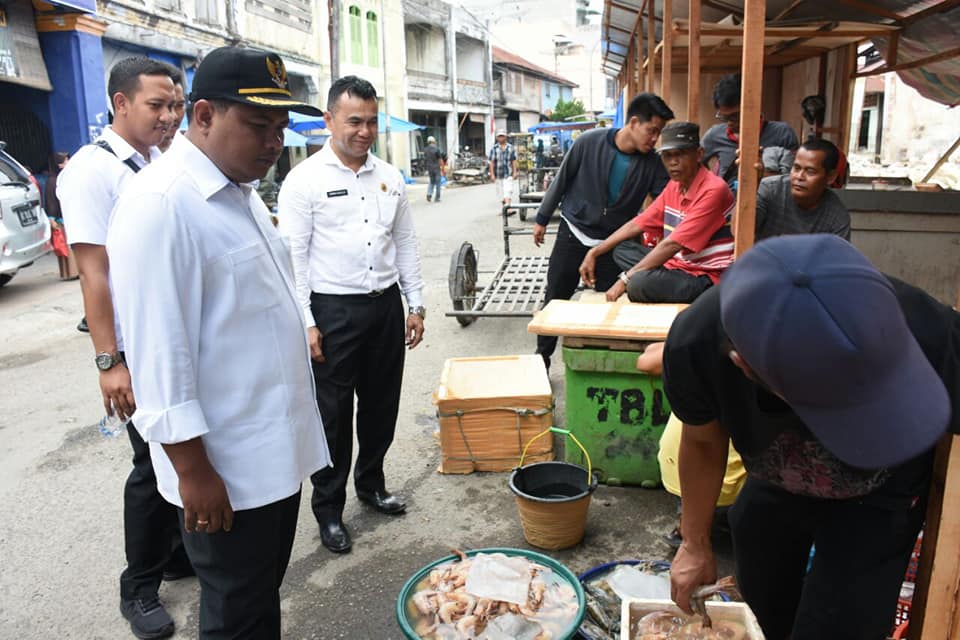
(217, 342)
(351, 234)
(142, 95)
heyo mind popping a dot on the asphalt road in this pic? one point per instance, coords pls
(61, 481)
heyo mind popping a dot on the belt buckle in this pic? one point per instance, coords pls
(376, 293)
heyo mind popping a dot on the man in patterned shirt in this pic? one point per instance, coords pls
(833, 382)
(503, 167)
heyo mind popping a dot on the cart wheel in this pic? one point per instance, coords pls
(463, 281)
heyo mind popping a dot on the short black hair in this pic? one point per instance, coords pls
(352, 86)
(125, 75)
(646, 106)
(176, 75)
(726, 93)
(831, 155)
(219, 105)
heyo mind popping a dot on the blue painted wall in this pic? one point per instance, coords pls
(77, 106)
(549, 102)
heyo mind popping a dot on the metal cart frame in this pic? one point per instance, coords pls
(517, 286)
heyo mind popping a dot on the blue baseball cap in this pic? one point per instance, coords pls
(823, 328)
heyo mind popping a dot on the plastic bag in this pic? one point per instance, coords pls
(59, 241)
(499, 577)
(629, 582)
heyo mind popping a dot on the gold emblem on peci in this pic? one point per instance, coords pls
(278, 72)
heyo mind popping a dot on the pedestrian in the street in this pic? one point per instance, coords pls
(66, 262)
(179, 111)
(436, 163)
(142, 96)
(834, 382)
(217, 343)
(601, 184)
(354, 248)
(503, 167)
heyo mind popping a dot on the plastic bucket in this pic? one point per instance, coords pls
(406, 593)
(553, 499)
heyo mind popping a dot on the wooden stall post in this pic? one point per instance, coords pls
(751, 90)
(935, 611)
(666, 73)
(651, 42)
(693, 64)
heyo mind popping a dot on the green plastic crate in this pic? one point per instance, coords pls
(617, 413)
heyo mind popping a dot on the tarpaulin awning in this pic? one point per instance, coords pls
(293, 139)
(83, 6)
(301, 123)
(562, 126)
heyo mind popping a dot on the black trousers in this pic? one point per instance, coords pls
(666, 285)
(151, 534)
(241, 571)
(563, 276)
(862, 550)
(363, 346)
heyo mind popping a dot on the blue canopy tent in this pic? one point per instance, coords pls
(301, 123)
(293, 139)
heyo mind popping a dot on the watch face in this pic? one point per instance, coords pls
(104, 361)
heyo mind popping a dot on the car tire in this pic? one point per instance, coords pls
(5, 278)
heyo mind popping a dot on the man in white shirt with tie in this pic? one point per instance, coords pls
(217, 342)
(354, 249)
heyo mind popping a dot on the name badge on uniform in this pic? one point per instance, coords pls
(338, 192)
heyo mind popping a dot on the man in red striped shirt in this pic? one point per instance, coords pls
(687, 240)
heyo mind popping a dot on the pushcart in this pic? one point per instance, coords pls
(517, 286)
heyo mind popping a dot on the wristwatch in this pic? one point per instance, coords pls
(106, 361)
(624, 278)
(420, 311)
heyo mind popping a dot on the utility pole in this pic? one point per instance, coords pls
(386, 87)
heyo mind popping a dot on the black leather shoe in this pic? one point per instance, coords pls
(335, 537)
(383, 502)
(82, 326)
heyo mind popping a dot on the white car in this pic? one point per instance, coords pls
(24, 228)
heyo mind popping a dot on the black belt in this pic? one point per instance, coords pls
(376, 293)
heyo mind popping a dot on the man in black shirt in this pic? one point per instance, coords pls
(435, 162)
(834, 382)
(601, 184)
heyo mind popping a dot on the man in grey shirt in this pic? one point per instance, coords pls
(723, 139)
(802, 202)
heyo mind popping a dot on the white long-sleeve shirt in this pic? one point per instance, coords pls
(349, 233)
(214, 335)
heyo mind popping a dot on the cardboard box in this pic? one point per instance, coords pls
(635, 608)
(489, 409)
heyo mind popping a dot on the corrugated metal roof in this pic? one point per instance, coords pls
(928, 35)
(502, 56)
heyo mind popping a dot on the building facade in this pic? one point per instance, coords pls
(524, 93)
(369, 43)
(449, 77)
(54, 93)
